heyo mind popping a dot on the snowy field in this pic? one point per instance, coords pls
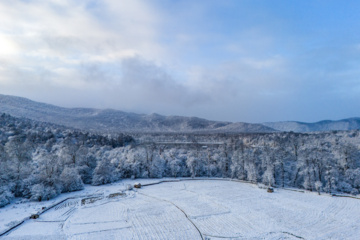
(187, 209)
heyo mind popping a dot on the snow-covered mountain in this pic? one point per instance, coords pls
(326, 125)
(110, 120)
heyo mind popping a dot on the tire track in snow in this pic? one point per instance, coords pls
(204, 235)
(163, 200)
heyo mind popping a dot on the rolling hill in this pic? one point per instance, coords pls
(326, 125)
(110, 120)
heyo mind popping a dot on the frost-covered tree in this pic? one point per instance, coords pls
(236, 167)
(105, 172)
(175, 167)
(268, 177)
(19, 150)
(157, 167)
(71, 180)
(5, 196)
(4, 168)
(195, 166)
(41, 192)
(44, 180)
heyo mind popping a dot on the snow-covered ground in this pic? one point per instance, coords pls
(187, 209)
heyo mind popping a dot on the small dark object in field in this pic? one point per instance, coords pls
(270, 190)
(43, 208)
(112, 195)
(34, 216)
(90, 200)
(137, 185)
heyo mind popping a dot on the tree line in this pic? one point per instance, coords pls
(39, 160)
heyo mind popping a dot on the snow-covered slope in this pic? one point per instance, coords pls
(113, 120)
(110, 120)
(326, 125)
(188, 209)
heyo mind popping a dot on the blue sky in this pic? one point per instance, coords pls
(232, 60)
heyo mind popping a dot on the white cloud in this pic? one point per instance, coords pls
(57, 41)
(68, 29)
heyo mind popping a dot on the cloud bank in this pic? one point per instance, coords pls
(227, 60)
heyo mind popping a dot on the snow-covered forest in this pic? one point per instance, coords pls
(39, 160)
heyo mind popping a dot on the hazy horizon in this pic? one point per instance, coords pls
(141, 113)
(239, 61)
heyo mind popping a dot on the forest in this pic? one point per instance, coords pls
(39, 161)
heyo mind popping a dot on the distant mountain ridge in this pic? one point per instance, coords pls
(325, 125)
(109, 120)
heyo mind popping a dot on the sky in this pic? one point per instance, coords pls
(229, 60)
